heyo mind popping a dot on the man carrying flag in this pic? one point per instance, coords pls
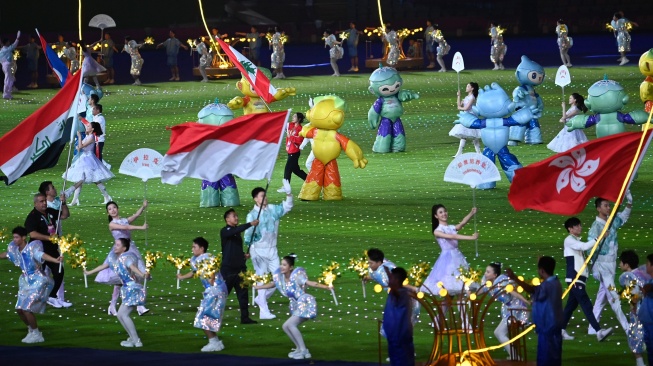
(58, 67)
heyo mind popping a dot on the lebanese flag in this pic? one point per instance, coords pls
(564, 183)
(37, 142)
(58, 67)
(256, 78)
(246, 146)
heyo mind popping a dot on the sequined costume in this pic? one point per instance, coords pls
(335, 50)
(71, 54)
(636, 278)
(508, 300)
(137, 61)
(108, 276)
(564, 41)
(87, 166)
(446, 267)
(621, 27)
(132, 292)
(394, 52)
(33, 285)
(6, 58)
(443, 47)
(498, 49)
(302, 304)
(211, 310)
(205, 57)
(278, 54)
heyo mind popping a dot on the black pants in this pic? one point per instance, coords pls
(100, 148)
(292, 166)
(58, 277)
(578, 296)
(233, 280)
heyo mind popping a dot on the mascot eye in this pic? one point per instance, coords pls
(533, 75)
(385, 89)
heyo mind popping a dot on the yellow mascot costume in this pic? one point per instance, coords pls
(326, 116)
(251, 102)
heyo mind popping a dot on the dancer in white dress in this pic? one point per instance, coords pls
(566, 140)
(446, 268)
(87, 166)
(460, 131)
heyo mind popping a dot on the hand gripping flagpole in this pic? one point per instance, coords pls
(269, 177)
(637, 160)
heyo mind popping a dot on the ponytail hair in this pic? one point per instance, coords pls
(580, 102)
(474, 86)
(434, 221)
(496, 266)
(290, 259)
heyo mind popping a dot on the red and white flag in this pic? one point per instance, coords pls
(37, 142)
(564, 183)
(256, 78)
(246, 146)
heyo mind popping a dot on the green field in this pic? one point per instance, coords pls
(386, 205)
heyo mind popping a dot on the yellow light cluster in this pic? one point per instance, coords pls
(329, 273)
(179, 262)
(359, 265)
(78, 257)
(418, 272)
(66, 242)
(149, 40)
(468, 275)
(150, 260)
(207, 267)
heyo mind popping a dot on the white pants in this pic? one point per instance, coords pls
(604, 272)
(265, 260)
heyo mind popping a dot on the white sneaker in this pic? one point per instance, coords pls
(281, 190)
(301, 354)
(603, 334)
(213, 347)
(130, 343)
(292, 352)
(142, 310)
(36, 337)
(501, 67)
(107, 199)
(29, 336)
(624, 61)
(65, 303)
(266, 315)
(496, 67)
(591, 331)
(566, 336)
(54, 302)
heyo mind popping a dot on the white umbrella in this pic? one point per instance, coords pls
(458, 64)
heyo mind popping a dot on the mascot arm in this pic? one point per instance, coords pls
(308, 131)
(374, 114)
(581, 121)
(518, 94)
(282, 93)
(352, 150)
(522, 116)
(407, 95)
(633, 118)
(470, 121)
(236, 103)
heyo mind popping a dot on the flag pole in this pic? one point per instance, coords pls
(269, 177)
(145, 217)
(474, 205)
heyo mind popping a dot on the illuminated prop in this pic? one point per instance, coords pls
(78, 258)
(329, 275)
(66, 244)
(150, 262)
(360, 266)
(180, 263)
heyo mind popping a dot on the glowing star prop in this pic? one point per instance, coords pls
(499, 30)
(329, 274)
(4, 234)
(344, 35)
(179, 262)
(207, 267)
(468, 276)
(150, 263)
(629, 293)
(148, 40)
(250, 278)
(78, 258)
(66, 243)
(418, 272)
(16, 55)
(361, 267)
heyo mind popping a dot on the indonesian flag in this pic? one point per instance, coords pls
(256, 78)
(246, 146)
(564, 183)
(58, 67)
(37, 142)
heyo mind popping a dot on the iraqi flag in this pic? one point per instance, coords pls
(256, 78)
(246, 147)
(564, 183)
(59, 69)
(37, 142)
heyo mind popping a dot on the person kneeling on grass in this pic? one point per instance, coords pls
(211, 310)
(125, 265)
(33, 285)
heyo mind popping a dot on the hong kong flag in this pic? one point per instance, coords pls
(564, 183)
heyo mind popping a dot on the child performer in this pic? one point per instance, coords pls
(566, 140)
(290, 282)
(634, 278)
(462, 132)
(33, 285)
(547, 311)
(573, 251)
(121, 228)
(294, 144)
(125, 266)
(211, 310)
(451, 259)
(396, 324)
(512, 303)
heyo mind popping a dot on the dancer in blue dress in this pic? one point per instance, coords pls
(125, 265)
(211, 310)
(291, 282)
(33, 285)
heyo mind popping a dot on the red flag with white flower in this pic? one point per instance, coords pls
(256, 78)
(564, 183)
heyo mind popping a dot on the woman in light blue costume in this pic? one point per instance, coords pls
(335, 50)
(125, 265)
(376, 264)
(211, 310)
(635, 278)
(564, 42)
(290, 282)
(498, 48)
(278, 56)
(392, 39)
(442, 49)
(205, 58)
(514, 304)
(621, 27)
(131, 47)
(33, 285)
